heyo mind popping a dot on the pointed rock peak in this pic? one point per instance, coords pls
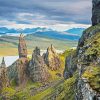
(37, 51)
(37, 68)
(21, 35)
(51, 48)
(22, 48)
(51, 58)
(3, 63)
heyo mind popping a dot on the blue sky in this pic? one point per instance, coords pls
(57, 14)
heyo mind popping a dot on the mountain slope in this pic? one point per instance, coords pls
(77, 31)
(71, 34)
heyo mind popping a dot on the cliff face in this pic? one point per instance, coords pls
(70, 65)
(88, 54)
(88, 60)
(37, 68)
(22, 48)
(96, 12)
(52, 59)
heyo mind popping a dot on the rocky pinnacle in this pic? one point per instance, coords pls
(3, 63)
(22, 48)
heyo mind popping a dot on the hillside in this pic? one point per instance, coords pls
(11, 43)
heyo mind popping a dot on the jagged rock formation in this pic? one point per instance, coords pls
(17, 71)
(96, 12)
(22, 48)
(52, 59)
(88, 60)
(88, 54)
(4, 82)
(37, 68)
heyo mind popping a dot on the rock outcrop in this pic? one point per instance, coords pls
(22, 48)
(88, 66)
(96, 12)
(88, 60)
(52, 59)
(4, 82)
(37, 68)
(88, 55)
(18, 70)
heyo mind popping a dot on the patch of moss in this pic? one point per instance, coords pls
(94, 42)
(92, 28)
(8, 92)
(93, 76)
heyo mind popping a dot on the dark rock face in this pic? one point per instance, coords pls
(52, 59)
(70, 66)
(4, 82)
(22, 48)
(37, 68)
(96, 12)
(17, 71)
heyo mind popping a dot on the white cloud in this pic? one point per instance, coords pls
(43, 23)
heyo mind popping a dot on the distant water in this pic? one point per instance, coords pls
(9, 60)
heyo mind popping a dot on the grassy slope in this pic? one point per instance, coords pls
(92, 73)
(63, 87)
(9, 44)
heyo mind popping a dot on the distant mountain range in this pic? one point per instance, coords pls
(71, 34)
(77, 31)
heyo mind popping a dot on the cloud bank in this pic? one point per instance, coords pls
(58, 14)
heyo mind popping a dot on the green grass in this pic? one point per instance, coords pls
(66, 87)
(41, 95)
(93, 75)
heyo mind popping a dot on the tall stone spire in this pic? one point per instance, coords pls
(3, 63)
(95, 12)
(22, 48)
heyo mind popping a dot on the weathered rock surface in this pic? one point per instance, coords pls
(37, 68)
(88, 57)
(22, 48)
(85, 92)
(52, 59)
(4, 82)
(18, 71)
(96, 12)
(70, 65)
